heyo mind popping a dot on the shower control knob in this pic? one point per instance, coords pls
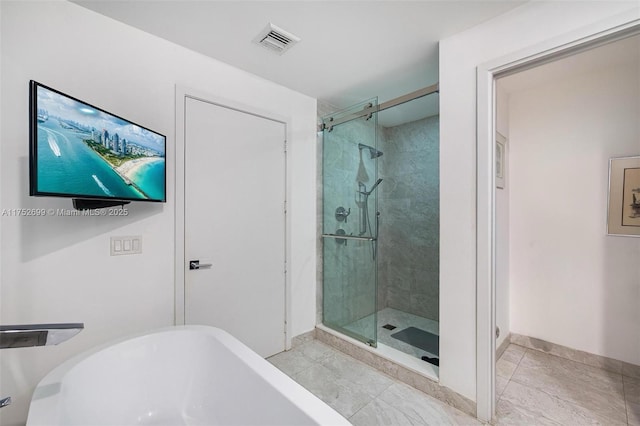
(342, 214)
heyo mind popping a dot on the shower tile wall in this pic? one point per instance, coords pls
(408, 269)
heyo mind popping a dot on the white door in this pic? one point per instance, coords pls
(235, 221)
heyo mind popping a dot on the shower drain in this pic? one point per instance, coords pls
(389, 326)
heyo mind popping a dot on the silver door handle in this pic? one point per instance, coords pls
(195, 264)
(5, 401)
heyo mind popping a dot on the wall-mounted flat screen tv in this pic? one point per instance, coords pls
(81, 151)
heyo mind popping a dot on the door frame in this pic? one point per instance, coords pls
(181, 94)
(619, 27)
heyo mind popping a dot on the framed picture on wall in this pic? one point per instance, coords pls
(624, 197)
(501, 160)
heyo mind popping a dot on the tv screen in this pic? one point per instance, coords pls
(81, 151)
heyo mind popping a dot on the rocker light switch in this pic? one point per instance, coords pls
(126, 245)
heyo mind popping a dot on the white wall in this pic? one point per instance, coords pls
(571, 284)
(460, 55)
(58, 269)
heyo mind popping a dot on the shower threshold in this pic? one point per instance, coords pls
(383, 354)
(399, 365)
(396, 324)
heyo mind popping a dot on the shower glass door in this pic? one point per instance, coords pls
(350, 221)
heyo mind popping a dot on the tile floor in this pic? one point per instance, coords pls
(533, 387)
(360, 393)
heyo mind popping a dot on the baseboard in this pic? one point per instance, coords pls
(608, 364)
(503, 346)
(303, 338)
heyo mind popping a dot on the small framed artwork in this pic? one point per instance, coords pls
(624, 197)
(501, 160)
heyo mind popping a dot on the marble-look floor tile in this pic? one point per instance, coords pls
(505, 368)
(593, 360)
(510, 414)
(501, 384)
(631, 389)
(590, 387)
(520, 404)
(327, 386)
(315, 350)
(423, 408)
(378, 412)
(633, 414)
(291, 362)
(352, 372)
(513, 353)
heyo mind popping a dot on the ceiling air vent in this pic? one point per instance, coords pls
(276, 39)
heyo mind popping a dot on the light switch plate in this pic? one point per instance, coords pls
(126, 245)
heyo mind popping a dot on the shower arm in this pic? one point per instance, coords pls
(373, 153)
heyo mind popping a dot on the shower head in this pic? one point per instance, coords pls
(372, 151)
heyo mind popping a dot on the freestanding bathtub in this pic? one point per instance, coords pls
(183, 375)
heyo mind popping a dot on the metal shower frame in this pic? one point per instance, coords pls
(434, 88)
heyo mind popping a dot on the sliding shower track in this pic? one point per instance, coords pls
(435, 88)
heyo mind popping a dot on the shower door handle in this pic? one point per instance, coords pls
(195, 264)
(348, 237)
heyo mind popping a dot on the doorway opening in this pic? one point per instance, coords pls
(491, 254)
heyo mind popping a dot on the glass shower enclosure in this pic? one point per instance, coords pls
(380, 224)
(350, 221)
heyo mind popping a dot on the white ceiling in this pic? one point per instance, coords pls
(350, 50)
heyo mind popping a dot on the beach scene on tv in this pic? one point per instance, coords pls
(83, 151)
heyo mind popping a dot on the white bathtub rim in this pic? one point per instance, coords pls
(46, 399)
(58, 372)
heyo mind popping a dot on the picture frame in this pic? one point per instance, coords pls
(623, 214)
(501, 160)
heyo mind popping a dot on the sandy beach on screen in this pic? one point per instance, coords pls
(130, 168)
